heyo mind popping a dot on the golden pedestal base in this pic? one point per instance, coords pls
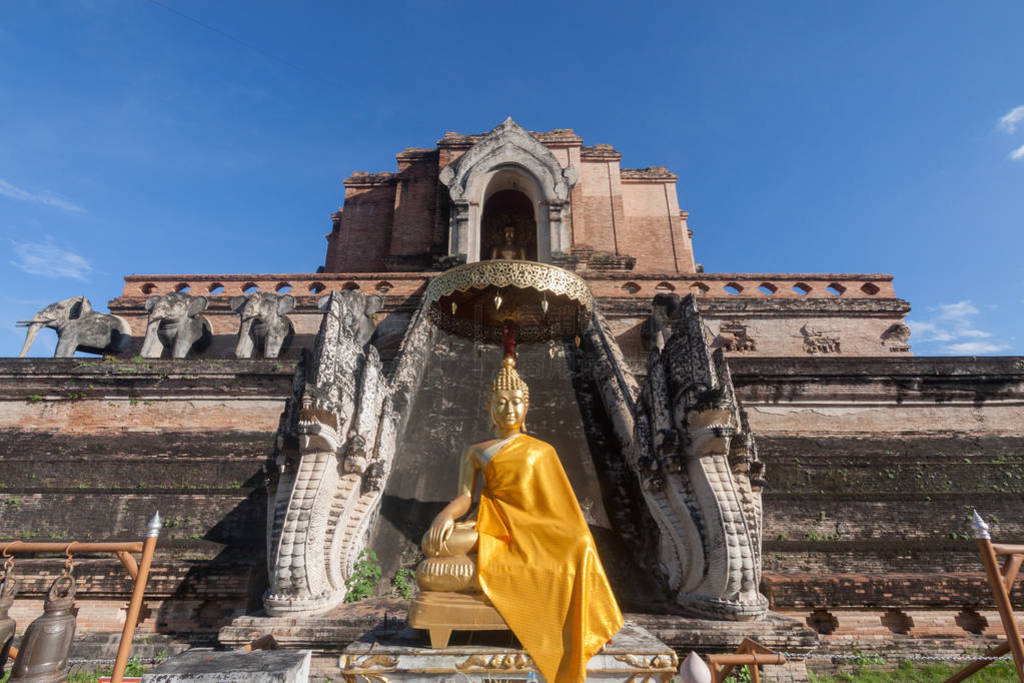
(441, 613)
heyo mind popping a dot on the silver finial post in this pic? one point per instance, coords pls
(980, 527)
(694, 669)
(153, 528)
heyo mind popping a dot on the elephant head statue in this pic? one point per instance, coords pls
(356, 313)
(175, 321)
(264, 323)
(78, 327)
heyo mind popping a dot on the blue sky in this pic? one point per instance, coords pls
(807, 136)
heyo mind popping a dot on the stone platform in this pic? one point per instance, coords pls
(632, 655)
(328, 635)
(203, 665)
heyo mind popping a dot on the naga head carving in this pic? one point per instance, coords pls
(699, 436)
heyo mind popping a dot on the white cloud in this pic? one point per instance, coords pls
(958, 311)
(1011, 119)
(1017, 154)
(24, 302)
(45, 197)
(953, 325)
(975, 348)
(49, 260)
(977, 334)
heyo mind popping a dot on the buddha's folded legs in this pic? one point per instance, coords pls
(449, 574)
(453, 569)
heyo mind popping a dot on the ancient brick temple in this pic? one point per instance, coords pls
(569, 203)
(872, 457)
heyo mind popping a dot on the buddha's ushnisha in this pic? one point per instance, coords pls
(537, 562)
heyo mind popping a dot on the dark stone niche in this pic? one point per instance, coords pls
(449, 413)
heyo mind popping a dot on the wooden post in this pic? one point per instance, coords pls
(750, 653)
(974, 668)
(1002, 598)
(1001, 583)
(26, 547)
(128, 560)
(148, 548)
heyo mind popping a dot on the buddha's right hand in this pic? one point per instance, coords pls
(439, 532)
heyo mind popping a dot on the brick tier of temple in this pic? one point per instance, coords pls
(615, 218)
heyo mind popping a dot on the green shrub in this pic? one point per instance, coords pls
(365, 576)
(404, 583)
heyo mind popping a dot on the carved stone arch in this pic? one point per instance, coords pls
(521, 182)
(509, 150)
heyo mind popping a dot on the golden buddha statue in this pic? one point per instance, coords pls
(509, 250)
(528, 562)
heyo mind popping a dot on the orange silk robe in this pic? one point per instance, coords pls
(537, 561)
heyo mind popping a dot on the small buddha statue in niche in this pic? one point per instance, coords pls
(529, 550)
(508, 249)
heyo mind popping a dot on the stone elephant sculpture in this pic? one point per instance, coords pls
(78, 327)
(265, 324)
(176, 322)
(356, 313)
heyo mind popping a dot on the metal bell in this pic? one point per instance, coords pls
(43, 655)
(8, 589)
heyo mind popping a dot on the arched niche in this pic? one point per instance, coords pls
(508, 158)
(512, 199)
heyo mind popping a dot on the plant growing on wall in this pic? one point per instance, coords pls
(365, 575)
(404, 583)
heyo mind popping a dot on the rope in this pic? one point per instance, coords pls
(140, 660)
(899, 658)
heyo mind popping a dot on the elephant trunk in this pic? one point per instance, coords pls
(30, 336)
(152, 347)
(245, 344)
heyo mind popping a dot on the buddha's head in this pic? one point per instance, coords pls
(510, 233)
(510, 399)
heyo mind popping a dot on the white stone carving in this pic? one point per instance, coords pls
(687, 442)
(334, 450)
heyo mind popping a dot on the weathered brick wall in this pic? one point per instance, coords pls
(601, 208)
(780, 323)
(90, 449)
(653, 231)
(874, 466)
(777, 325)
(364, 237)
(416, 198)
